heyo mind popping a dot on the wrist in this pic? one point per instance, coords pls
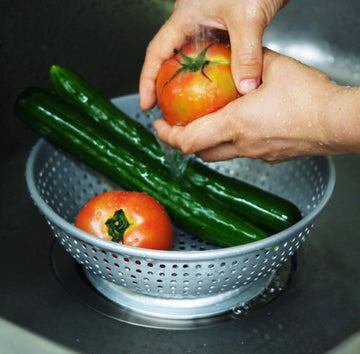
(343, 116)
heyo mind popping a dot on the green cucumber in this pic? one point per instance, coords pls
(268, 210)
(70, 129)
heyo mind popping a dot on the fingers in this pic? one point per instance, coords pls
(198, 135)
(228, 151)
(246, 55)
(211, 150)
(246, 25)
(221, 152)
(174, 135)
(156, 54)
(167, 133)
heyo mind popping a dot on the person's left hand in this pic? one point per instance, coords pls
(243, 20)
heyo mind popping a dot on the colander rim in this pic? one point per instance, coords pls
(267, 243)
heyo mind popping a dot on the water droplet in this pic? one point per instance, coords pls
(241, 309)
(271, 290)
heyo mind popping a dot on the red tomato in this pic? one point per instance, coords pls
(195, 81)
(130, 218)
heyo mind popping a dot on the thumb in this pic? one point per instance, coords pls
(246, 57)
(156, 54)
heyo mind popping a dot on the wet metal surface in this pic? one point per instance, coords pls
(105, 42)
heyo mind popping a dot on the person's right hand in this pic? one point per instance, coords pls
(244, 20)
(297, 111)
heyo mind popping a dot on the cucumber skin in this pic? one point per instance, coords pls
(268, 210)
(75, 133)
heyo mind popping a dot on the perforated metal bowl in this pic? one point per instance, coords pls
(195, 279)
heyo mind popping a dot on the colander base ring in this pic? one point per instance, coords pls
(71, 276)
(179, 308)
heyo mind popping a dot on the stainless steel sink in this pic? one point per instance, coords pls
(105, 41)
(323, 34)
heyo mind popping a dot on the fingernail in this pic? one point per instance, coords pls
(248, 85)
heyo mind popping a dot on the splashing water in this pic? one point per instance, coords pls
(175, 160)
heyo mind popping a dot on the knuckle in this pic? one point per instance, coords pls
(186, 146)
(231, 127)
(248, 58)
(173, 137)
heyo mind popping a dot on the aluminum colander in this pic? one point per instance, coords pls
(196, 279)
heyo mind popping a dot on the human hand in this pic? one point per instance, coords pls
(297, 111)
(244, 21)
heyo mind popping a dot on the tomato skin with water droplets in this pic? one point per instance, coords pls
(146, 223)
(195, 81)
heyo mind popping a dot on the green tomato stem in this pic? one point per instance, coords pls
(192, 64)
(117, 225)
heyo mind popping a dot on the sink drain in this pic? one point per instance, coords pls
(114, 302)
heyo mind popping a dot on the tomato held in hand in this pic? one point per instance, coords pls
(130, 218)
(195, 81)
